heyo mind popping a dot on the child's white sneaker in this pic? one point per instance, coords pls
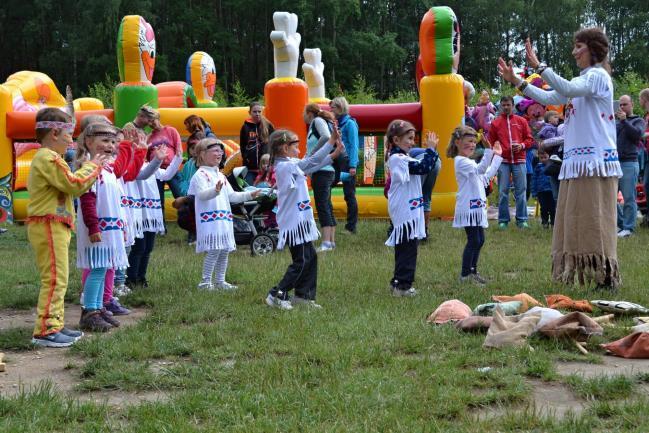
(121, 290)
(225, 286)
(326, 246)
(404, 293)
(205, 285)
(275, 302)
(298, 301)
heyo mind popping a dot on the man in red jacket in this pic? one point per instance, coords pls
(514, 135)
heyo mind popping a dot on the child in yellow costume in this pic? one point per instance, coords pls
(51, 186)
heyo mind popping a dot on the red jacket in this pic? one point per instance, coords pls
(502, 128)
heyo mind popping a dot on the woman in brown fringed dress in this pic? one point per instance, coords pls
(584, 242)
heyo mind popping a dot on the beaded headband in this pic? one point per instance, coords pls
(52, 124)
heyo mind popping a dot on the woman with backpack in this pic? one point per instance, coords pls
(320, 123)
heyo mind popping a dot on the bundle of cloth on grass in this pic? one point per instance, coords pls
(510, 330)
(527, 300)
(575, 325)
(619, 307)
(449, 311)
(509, 308)
(635, 345)
(566, 303)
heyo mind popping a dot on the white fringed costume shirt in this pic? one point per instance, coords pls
(472, 179)
(590, 139)
(214, 227)
(294, 210)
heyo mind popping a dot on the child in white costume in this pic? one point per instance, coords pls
(147, 198)
(297, 227)
(213, 195)
(406, 201)
(471, 200)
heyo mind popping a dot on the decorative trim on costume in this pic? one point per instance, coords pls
(111, 223)
(71, 177)
(303, 205)
(411, 229)
(216, 215)
(222, 240)
(477, 203)
(303, 232)
(587, 268)
(52, 124)
(416, 202)
(46, 219)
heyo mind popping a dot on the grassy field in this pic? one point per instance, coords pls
(366, 362)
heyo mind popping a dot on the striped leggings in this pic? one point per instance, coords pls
(215, 260)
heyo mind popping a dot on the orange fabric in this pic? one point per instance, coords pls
(566, 303)
(527, 300)
(635, 345)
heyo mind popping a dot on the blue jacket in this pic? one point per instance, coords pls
(540, 180)
(349, 135)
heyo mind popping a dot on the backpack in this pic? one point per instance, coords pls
(339, 164)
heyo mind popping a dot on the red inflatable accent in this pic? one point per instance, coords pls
(377, 117)
(21, 125)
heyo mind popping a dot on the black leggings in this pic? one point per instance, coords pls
(474, 241)
(138, 259)
(302, 273)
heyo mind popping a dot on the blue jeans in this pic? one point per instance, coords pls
(519, 173)
(626, 215)
(428, 183)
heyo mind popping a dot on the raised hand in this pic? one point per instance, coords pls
(313, 72)
(335, 135)
(286, 43)
(100, 159)
(497, 149)
(160, 152)
(219, 186)
(532, 60)
(432, 140)
(506, 70)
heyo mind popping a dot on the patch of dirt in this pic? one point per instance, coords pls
(547, 399)
(29, 370)
(611, 366)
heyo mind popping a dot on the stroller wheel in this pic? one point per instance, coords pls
(262, 244)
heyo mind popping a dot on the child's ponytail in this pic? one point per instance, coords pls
(277, 139)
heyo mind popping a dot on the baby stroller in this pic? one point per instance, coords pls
(252, 224)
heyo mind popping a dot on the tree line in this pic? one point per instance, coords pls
(367, 45)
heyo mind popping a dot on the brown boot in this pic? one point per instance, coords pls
(92, 321)
(108, 318)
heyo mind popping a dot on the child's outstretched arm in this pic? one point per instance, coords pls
(168, 173)
(62, 178)
(430, 156)
(323, 156)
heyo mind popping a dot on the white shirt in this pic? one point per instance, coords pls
(472, 178)
(590, 140)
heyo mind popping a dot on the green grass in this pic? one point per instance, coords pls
(366, 362)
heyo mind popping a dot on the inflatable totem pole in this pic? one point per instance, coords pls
(286, 95)
(136, 61)
(313, 69)
(441, 94)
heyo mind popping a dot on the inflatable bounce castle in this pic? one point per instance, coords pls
(440, 109)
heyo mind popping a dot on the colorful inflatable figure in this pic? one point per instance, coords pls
(201, 75)
(136, 53)
(441, 91)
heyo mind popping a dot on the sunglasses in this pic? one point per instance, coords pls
(291, 143)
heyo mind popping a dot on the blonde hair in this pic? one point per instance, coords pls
(264, 158)
(644, 95)
(277, 139)
(549, 114)
(202, 146)
(82, 154)
(341, 103)
(458, 133)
